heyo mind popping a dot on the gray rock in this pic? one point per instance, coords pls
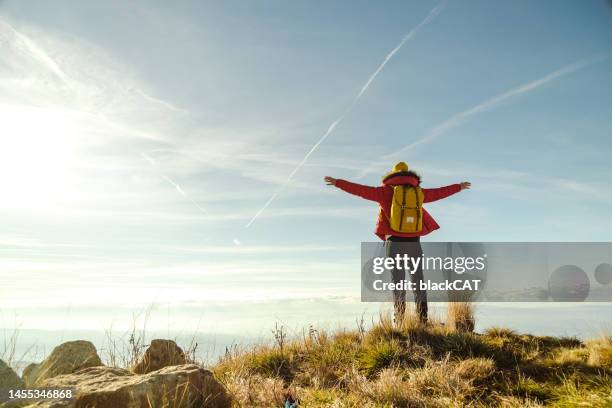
(186, 385)
(8, 377)
(160, 354)
(64, 359)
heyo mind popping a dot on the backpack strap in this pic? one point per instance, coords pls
(419, 205)
(403, 207)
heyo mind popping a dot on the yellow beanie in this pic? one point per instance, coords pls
(401, 166)
(398, 168)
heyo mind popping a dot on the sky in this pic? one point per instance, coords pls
(161, 155)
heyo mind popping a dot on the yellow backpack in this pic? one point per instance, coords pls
(406, 209)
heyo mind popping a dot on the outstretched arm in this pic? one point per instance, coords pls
(433, 194)
(367, 192)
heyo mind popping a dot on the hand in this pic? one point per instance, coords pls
(330, 181)
(465, 185)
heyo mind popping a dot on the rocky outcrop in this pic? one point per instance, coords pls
(8, 378)
(185, 385)
(160, 354)
(64, 359)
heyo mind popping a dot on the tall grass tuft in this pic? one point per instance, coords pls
(460, 316)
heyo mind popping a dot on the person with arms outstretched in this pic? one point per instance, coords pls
(402, 219)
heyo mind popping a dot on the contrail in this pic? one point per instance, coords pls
(491, 103)
(148, 158)
(262, 209)
(177, 186)
(432, 14)
(182, 192)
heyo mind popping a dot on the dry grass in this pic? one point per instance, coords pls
(254, 390)
(8, 350)
(9, 346)
(414, 365)
(126, 350)
(460, 316)
(438, 383)
(600, 351)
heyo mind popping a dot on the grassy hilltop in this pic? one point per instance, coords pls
(442, 364)
(438, 365)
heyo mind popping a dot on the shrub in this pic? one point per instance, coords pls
(382, 354)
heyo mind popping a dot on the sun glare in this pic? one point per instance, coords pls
(37, 148)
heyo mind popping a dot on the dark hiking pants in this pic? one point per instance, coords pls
(410, 246)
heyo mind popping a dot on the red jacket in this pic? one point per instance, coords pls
(383, 195)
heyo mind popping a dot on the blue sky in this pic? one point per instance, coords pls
(139, 138)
